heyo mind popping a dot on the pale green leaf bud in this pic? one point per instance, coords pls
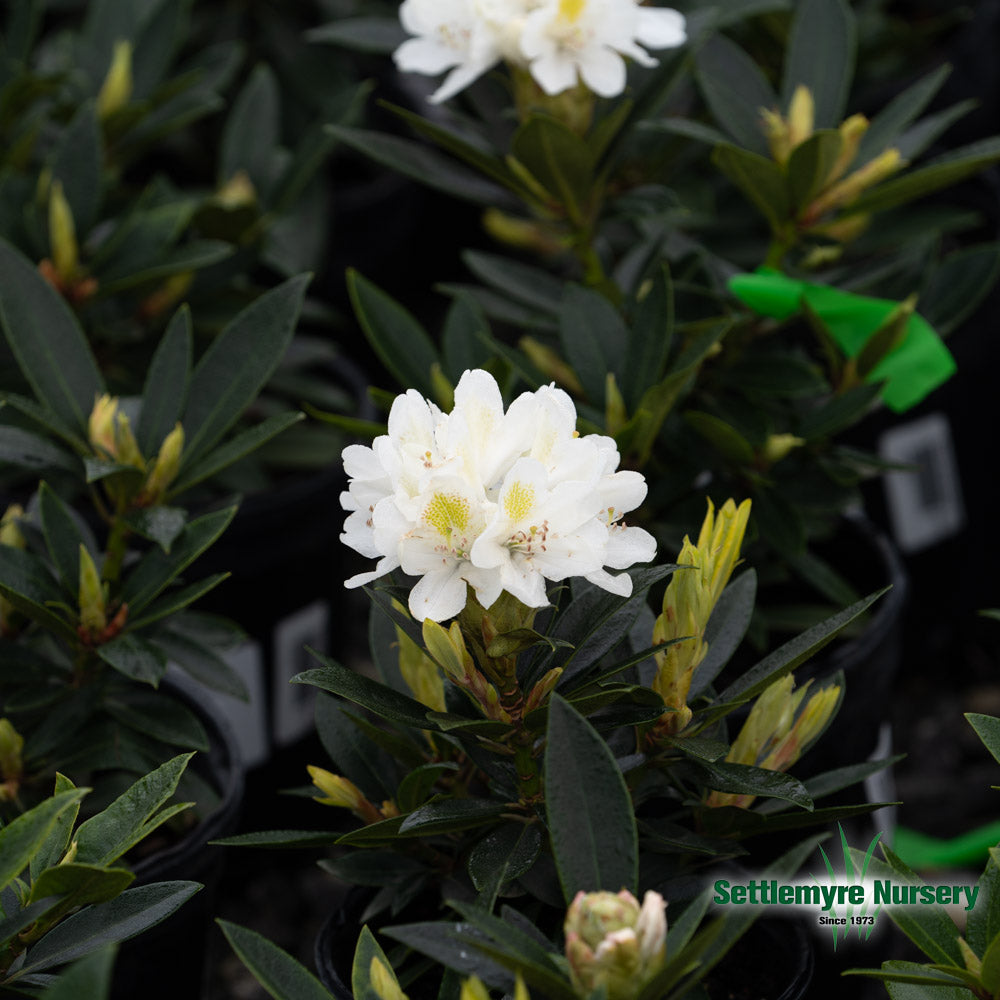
(10, 530)
(779, 446)
(337, 791)
(473, 989)
(420, 673)
(801, 116)
(11, 747)
(116, 91)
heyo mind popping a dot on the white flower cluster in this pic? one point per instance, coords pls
(557, 40)
(498, 500)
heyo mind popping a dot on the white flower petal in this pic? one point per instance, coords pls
(554, 72)
(603, 71)
(439, 595)
(425, 55)
(628, 546)
(660, 27)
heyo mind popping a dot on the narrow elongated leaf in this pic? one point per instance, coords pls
(460, 344)
(160, 717)
(809, 166)
(77, 166)
(28, 450)
(80, 885)
(760, 179)
(164, 394)
(820, 56)
(57, 842)
(742, 779)
(134, 911)
(157, 568)
(593, 337)
(352, 753)
(158, 524)
(43, 417)
(735, 90)
(90, 977)
(202, 662)
(252, 131)
(530, 285)
(105, 837)
(280, 974)
(794, 652)
(236, 448)
(984, 918)
(177, 600)
(941, 172)
(904, 108)
(987, 728)
(63, 537)
(450, 815)
(235, 367)
(381, 35)
(401, 343)
(649, 342)
(26, 582)
(360, 690)
(428, 166)
(588, 808)
(45, 338)
(726, 628)
(558, 159)
(23, 836)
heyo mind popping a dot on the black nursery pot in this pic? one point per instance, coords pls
(168, 962)
(772, 961)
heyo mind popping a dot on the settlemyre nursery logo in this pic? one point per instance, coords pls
(851, 899)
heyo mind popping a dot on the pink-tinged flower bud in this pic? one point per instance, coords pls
(613, 943)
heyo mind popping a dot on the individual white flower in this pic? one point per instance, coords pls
(450, 35)
(566, 39)
(490, 499)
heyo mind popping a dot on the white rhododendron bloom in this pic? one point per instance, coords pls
(558, 41)
(499, 501)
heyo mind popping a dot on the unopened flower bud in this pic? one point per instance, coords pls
(337, 791)
(10, 530)
(525, 234)
(101, 425)
(62, 235)
(778, 446)
(116, 90)
(543, 689)
(847, 191)
(801, 116)
(613, 943)
(11, 760)
(852, 131)
(973, 963)
(776, 129)
(473, 989)
(93, 613)
(237, 192)
(168, 463)
(420, 673)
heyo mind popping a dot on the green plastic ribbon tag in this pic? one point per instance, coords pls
(913, 369)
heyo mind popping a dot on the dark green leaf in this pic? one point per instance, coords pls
(649, 342)
(366, 952)
(202, 662)
(956, 287)
(820, 55)
(28, 450)
(381, 35)
(63, 537)
(77, 166)
(809, 166)
(26, 582)
(352, 753)
(104, 838)
(134, 911)
(460, 344)
(57, 842)
(593, 338)
(157, 568)
(735, 90)
(360, 690)
(401, 343)
(787, 657)
(233, 450)
(588, 808)
(90, 977)
(416, 788)
(888, 124)
(839, 412)
(415, 160)
(81, 884)
(501, 856)
(530, 285)
(45, 337)
(728, 624)
(760, 179)
(161, 717)
(449, 816)
(984, 919)
(941, 172)
(987, 728)
(235, 367)
(742, 779)
(252, 131)
(558, 159)
(27, 834)
(280, 839)
(43, 417)
(723, 437)
(135, 658)
(165, 391)
(280, 974)
(157, 524)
